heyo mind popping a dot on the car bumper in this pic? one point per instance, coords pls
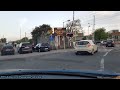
(7, 53)
(84, 50)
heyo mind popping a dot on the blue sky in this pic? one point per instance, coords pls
(11, 21)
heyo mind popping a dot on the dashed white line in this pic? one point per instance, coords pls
(107, 53)
(102, 64)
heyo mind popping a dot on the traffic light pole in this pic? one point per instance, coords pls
(64, 37)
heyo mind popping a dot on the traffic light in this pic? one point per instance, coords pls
(70, 34)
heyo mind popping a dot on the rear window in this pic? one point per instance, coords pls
(82, 43)
(26, 44)
(109, 41)
(44, 44)
(7, 47)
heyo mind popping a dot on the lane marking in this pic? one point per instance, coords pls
(102, 64)
(107, 52)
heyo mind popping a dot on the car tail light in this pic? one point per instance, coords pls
(88, 45)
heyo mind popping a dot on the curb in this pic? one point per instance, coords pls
(20, 56)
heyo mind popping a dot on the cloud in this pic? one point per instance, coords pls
(23, 21)
(105, 13)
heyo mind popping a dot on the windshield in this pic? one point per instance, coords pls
(7, 47)
(82, 43)
(54, 41)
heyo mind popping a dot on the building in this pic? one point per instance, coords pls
(113, 31)
(114, 34)
(79, 36)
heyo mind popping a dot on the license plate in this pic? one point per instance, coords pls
(81, 46)
(7, 49)
(26, 47)
(109, 44)
(46, 48)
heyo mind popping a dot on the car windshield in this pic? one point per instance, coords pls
(82, 43)
(7, 47)
(109, 41)
(60, 40)
(26, 44)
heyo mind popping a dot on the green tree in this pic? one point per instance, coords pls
(25, 39)
(30, 40)
(100, 34)
(42, 30)
(3, 40)
(84, 38)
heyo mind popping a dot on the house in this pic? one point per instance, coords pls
(114, 34)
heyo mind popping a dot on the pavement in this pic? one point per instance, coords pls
(107, 58)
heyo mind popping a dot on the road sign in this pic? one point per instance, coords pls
(51, 38)
(59, 31)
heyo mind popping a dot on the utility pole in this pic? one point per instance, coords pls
(93, 27)
(73, 15)
(20, 33)
(88, 29)
(72, 25)
(64, 36)
(25, 36)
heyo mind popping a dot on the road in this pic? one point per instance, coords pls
(107, 58)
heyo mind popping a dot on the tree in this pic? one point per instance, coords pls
(25, 39)
(100, 34)
(84, 38)
(3, 40)
(41, 31)
(30, 40)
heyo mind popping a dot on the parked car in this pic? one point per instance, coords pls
(110, 43)
(7, 50)
(42, 47)
(25, 47)
(97, 42)
(85, 46)
(103, 42)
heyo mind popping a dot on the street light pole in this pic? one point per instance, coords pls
(20, 33)
(64, 36)
(88, 29)
(65, 31)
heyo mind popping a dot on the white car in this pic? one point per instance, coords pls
(85, 46)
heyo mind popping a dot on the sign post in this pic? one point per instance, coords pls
(60, 32)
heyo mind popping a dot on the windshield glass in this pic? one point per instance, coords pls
(52, 40)
(7, 47)
(82, 43)
(26, 44)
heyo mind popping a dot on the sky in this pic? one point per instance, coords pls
(12, 21)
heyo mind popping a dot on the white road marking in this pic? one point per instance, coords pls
(107, 52)
(102, 64)
(102, 60)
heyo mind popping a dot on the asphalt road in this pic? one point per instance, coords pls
(105, 59)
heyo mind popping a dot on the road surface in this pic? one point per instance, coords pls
(107, 58)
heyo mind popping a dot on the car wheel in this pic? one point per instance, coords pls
(76, 53)
(97, 50)
(92, 53)
(20, 52)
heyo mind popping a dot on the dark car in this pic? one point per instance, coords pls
(103, 42)
(110, 43)
(7, 50)
(43, 47)
(25, 47)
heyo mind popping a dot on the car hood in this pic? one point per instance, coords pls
(89, 73)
